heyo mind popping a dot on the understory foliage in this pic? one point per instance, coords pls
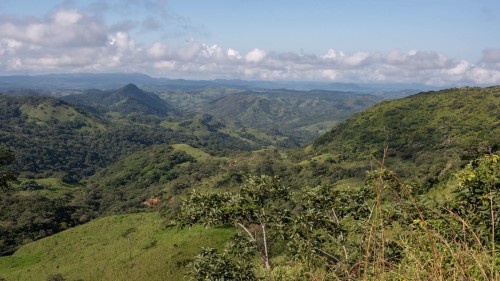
(381, 231)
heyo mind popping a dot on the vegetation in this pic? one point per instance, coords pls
(342, 208)
(378, 232)
(126, 100)
(6, 173)
(429, 135)
(51, 137)
(100, 250)
(287, 118)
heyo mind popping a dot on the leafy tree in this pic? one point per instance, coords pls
(315, 232)
(258, 210)
(6, 173)
(478, 197)
(234, 263)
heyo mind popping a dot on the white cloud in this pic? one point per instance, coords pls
(460, 68)
(61, 28)
(121, 41)
(165, 65)
(417, 60)
(329, 74)
(233, 54)
(356, 59)
(213, 51)
(67, 17)
(189, 51)
(158, 50)
(255, 55)
(331, 55)
(483, 75)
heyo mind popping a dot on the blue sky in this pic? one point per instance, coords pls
(439, 42)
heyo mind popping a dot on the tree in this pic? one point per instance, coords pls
(6, 173)
(477, 195)
(258, 210)
(234, 263)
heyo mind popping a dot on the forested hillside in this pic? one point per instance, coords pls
(427, 135)
(297, 117)
(50, 136)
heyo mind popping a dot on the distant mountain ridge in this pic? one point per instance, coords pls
(107, 81)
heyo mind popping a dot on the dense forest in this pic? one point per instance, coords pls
(406, 189)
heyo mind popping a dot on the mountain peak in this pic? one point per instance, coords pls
(131, 98)
(129, 91)
(130, 88)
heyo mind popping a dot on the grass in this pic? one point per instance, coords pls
(52, 187)
(320, 158)
(127, 247)
(197, 154)
(433, 250)
(321, 127)
(45, 112)
(170, 125)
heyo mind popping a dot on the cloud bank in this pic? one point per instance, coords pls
(71, 40)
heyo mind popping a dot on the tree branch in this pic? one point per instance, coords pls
(247, 231)
(266, 256)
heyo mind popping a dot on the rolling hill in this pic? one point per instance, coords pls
(127, 247)
(290, 117)
(427, 134)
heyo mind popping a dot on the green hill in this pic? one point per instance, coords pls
(51, 137)
(124, 185)
(128, 247)
(427, 134)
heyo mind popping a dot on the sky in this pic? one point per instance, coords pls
(435, 42)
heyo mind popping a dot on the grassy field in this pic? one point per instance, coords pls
(52, 187)
(197, 154)
(127, 247)
(45, 112)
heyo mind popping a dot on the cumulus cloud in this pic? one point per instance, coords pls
(233, 54)
(71, 40)
(63, 28)
(418, 60)
(158, 50)
(255, 55)
(346, 60)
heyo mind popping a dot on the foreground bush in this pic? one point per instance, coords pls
(379, 232)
